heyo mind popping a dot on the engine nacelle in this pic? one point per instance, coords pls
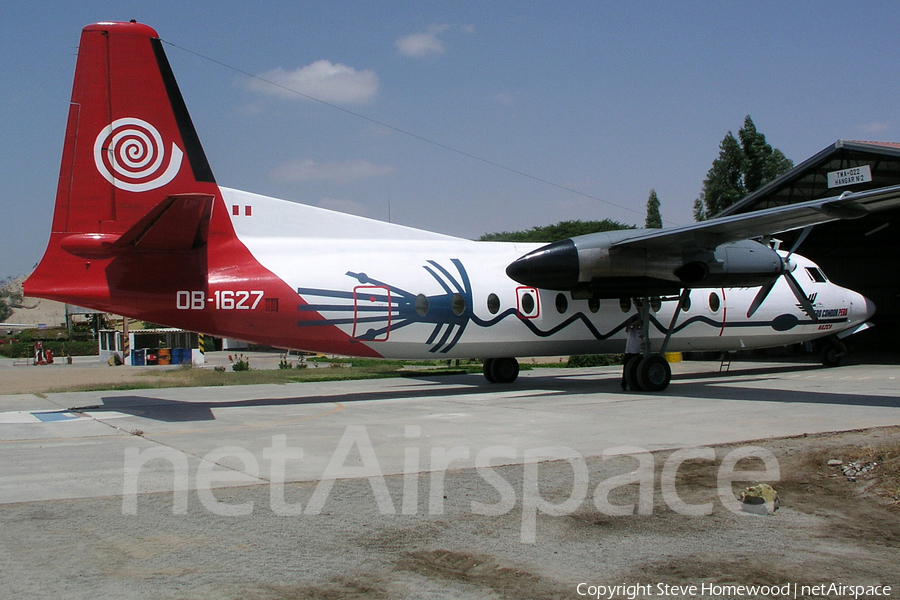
(741, 264)
(594, 263)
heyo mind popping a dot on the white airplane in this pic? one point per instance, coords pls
(142, 229)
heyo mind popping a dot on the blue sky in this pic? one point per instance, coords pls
(607, 98)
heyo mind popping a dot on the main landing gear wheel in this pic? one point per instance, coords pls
(486, 370)
(654, 373)
(500, 370)
(631, 374)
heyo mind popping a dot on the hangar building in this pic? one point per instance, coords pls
(861, 254)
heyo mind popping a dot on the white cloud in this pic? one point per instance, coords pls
(420, 44)
(310, 170)
(425, 43)
(322, 80)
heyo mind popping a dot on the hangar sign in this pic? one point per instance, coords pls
(850, 176)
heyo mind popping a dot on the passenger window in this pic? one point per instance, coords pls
(458, 304)
(714, 302)
(421, 305)
(625, 304)
(493, 304)
(562, 304)
(594, 304)
(527, 303)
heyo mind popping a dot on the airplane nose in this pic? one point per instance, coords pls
(870, 308)
(861, 309)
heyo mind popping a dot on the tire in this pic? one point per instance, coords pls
(504, 370)
(654, 373)
(831, 356)
(486, 370)
(631, 374)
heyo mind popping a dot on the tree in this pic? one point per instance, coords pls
(654, 219)
(554, 233)
(762, 163)
(740, 169)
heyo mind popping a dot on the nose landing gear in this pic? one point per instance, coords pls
(832, 352)
(653, 373)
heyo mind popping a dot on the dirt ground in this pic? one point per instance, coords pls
(19, 376)
(30, 379)
(828, 531)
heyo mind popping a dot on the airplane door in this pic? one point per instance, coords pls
(371, 313)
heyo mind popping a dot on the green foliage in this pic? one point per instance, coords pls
(723, 185)
(26, 336)
(762, 163)
(741, 168)
(25, 349)
(654, 219)
(284, 363)
(239, 362)
(594, 360)
(699, 209)
(554, 233)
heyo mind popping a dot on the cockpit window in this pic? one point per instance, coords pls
(816, 274)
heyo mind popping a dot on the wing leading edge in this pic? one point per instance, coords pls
(717, 252)
(709, 234)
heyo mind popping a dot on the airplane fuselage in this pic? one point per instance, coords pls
(403, 293)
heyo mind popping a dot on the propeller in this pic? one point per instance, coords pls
(786, 271)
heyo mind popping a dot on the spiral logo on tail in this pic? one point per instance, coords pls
(131, 155)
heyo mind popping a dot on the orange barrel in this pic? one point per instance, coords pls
(165, 356)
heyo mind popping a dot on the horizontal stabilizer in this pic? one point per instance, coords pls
(179, 223)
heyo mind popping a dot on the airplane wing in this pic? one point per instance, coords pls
(717, 252)
(717, 231)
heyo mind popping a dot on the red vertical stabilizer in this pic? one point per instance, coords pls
(140, 227)
(132, 163)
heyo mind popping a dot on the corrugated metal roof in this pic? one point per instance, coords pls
(878, 144)
(808, 180)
